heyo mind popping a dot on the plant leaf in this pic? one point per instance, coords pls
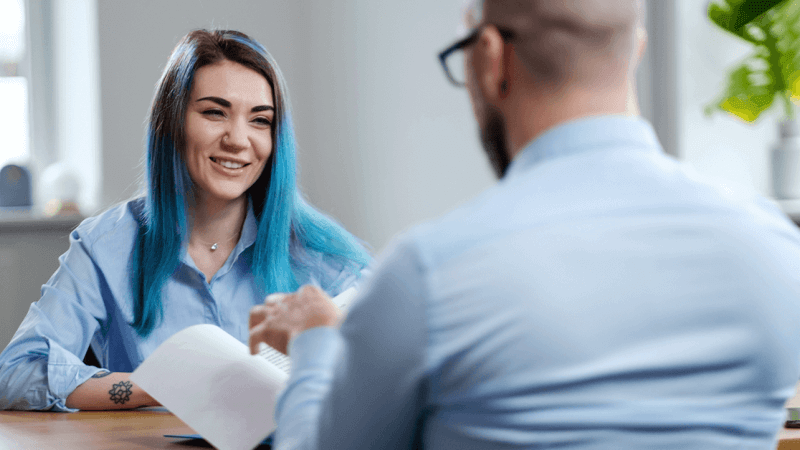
(787, 21)
(733, 15)
(773, 26)
(745, 97)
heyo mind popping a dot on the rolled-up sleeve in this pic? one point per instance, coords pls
(41, 365)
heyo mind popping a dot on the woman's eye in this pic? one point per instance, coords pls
(213, 112)
(263, 121)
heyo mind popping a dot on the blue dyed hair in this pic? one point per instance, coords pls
(284, 218)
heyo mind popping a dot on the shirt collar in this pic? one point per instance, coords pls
(584, 135)
(249, 229)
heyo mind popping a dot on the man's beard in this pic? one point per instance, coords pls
(493, 138)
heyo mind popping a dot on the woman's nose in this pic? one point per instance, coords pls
(236, 138)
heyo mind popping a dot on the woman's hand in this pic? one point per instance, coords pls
(283, 316)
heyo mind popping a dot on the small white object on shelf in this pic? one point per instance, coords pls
(61, 188)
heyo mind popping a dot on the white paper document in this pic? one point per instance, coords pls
(209, 380)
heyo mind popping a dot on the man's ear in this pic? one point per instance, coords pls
(489, 63)
(640, 43)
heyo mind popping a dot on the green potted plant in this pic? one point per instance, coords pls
(770, 74)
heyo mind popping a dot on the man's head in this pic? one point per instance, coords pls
(536, 63)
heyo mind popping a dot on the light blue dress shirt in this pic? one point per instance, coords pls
(88, 301)
(600, 296)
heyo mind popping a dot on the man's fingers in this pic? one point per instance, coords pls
(260, 325)
(257, 315)
(260, 313)
(275, 298)
(283, 315)
(309, 289)
(258, 334)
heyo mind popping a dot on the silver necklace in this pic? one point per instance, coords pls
(215, 245)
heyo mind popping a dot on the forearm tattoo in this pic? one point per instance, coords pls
(121, 392)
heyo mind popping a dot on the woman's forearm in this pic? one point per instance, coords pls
(109, 391)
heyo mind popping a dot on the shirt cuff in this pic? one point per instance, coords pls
(315, 348)
(65, 372)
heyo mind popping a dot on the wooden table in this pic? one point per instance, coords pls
(135, 429)
(789, 439)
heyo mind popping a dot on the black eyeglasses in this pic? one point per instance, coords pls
(452, 58)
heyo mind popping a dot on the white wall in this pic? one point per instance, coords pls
(76, 98)
(384, 140)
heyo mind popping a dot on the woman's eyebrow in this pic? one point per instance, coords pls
(222, 102)
(218, 100)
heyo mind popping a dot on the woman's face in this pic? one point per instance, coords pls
(228, 130)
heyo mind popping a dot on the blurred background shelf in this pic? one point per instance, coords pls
(27, 221)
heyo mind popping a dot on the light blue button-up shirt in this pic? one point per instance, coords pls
(88, 301)
(600, 296)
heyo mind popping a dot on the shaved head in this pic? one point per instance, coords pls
(568, 41)
(537, 63)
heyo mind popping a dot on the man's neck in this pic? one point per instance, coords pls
(531, 116)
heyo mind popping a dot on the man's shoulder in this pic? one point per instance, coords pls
(549, 198)
(734, 205)
(453, 232)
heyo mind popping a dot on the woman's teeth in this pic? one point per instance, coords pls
(228, 164)
(231, 165)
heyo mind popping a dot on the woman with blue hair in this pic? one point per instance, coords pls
(221, 226)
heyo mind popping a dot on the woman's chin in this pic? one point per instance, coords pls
(222, 196)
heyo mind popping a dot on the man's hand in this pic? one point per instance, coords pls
(283, 316)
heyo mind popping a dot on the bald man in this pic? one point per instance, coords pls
(599, 296)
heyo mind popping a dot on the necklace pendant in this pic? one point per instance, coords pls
(214, 247)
